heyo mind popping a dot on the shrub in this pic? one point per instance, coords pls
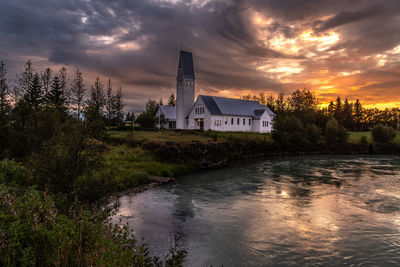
(383, 134)
(364, 140)
(289, 132)
(34, 232)
(313, 134)
(335, 133)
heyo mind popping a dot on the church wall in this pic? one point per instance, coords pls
(200, 115)
(266, 123)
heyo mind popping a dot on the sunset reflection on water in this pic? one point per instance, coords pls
(300, 210)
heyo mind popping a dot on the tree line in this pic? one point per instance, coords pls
(54, 178)
(353, 116)
(302, 124)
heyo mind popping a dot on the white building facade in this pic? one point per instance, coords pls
(211, 112)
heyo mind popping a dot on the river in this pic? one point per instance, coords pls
(311, 210)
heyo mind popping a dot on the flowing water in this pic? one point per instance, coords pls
(314, 210)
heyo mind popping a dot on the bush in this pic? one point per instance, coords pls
(313, 134)
(289, 133)
(335, 133)
(383, 134)
(364, 140)
(34, 232)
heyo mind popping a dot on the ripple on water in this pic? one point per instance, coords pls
(280, 212)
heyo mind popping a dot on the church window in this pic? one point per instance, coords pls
(238, 121)
(249, 121)
(226, 121)
(232, 121)
(267, 123)
(244, 121)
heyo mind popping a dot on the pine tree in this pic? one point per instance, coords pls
(4, 92)
(24, 80)
(348, 115)
(95, 108)
(118, 107)
(280, 103)
(331, 107)
(338, 114)
(46, 78)
(109, 103)
(78, 91)
(358, 114)
(171, 100)
(56, 95)
(34, 95)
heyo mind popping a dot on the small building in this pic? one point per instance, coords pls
(166, 116)
(211, 112)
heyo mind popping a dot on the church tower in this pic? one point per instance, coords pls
(184, 89)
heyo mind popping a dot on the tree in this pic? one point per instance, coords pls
(303, 100)
(280, 103)
(289, 132)
(4, 91)
(118, 107)
(56, 95)
(62, 73)
(46, 78)
(148, 119)
(4, 111)
(94, 109)
(34, 94)
(357, 114)
(331, 107)
(24, 80)
(78, 91)
(171, 100)
(109, 103)
(383, 134)
(270, 103)
(348, 115)
(335, 133)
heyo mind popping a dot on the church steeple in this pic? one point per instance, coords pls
(185, 84)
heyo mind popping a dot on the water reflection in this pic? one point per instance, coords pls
(294, 211)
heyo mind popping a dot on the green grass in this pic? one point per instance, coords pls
(159, 136)
(184, 136)
(136, 162)
(355, 137)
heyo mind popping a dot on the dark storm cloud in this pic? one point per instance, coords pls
(349, 17)
(136, 43)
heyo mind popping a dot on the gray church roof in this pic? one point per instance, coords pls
(234, 107)
(186, 64)
(169, 112)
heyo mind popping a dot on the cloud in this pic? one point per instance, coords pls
(238, 45)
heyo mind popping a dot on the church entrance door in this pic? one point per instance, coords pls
(201, 124)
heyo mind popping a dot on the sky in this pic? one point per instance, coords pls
(333, 47)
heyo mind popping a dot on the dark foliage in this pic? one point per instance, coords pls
(383, 134)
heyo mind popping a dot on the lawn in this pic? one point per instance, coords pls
(355, 137)
(127, 161)
(184, 136)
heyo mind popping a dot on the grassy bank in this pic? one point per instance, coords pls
(355, 137)
(140, 137)
(135, 156)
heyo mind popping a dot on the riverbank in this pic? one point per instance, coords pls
(176, 153)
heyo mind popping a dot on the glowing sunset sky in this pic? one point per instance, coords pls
(335, 47)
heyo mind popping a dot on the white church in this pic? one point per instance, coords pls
(211, 112)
